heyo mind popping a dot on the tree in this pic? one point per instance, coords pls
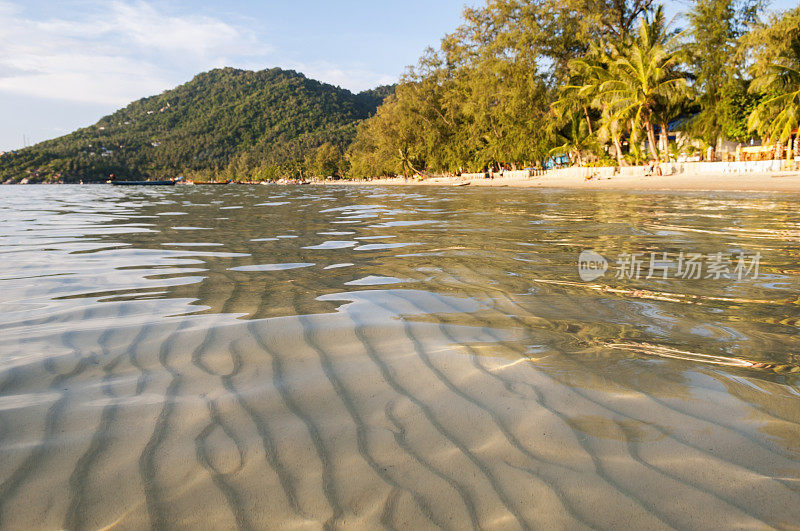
(580, 93)
(612, 127)
(413, 129)
(574, 140)
(616, 18)
(643, 74)
(735, 107)
(587, 76)
(768, 40)
(326, 161)
(715, 29)
(778, 115)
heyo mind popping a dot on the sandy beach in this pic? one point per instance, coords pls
(742, 182)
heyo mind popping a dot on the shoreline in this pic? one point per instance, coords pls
(713, 182)
(762, 182)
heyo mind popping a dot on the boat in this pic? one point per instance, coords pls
(213, 183)
(169, 182)
(142, 183)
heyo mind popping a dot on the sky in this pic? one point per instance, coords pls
(64, 64)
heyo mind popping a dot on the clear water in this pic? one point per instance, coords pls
(401, 357)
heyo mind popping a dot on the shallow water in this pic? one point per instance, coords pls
(296, 357)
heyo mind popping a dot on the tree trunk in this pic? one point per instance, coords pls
(588, 120)
(651, 139)
(665, 141)
(618, 148)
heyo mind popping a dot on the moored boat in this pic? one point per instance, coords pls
(142, 183)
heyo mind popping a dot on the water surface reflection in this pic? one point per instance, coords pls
(238, 356)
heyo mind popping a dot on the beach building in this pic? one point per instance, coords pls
(725, 150)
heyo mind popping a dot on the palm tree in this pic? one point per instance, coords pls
(643, 74)
(580, 93)
(404, 157)
(666, 110)
(779, 114)
(612, 128)
(574, 140)
(583, 92)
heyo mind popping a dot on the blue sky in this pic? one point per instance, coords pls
(64, 64)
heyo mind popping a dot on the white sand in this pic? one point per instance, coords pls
(747, 182)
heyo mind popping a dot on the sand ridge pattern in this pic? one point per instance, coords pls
(448, 391)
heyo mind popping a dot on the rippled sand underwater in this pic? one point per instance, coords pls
(264, 357)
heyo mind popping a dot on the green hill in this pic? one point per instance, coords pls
(226, 122)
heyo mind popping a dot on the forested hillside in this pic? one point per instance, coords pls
(225, 123)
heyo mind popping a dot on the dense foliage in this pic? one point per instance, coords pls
(224, 124)
(777, 70)
(593, 80)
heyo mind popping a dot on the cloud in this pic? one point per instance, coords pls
(199, 36)
(115, 52)
(352, 77)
